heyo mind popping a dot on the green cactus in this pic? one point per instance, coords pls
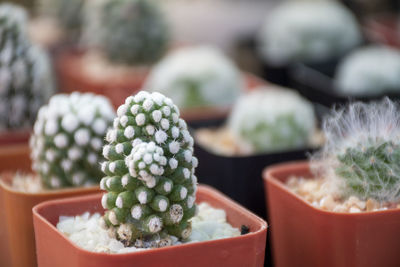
(361, 154)
(269, 119)
(68, 13)
(197, 77)
(372, 170)
(132, 32)
(25, 75)
(150, 178)
(68, 138)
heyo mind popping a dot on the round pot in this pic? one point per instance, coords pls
(383, 29)
(303, 235)
(53, 247)
(17, 244)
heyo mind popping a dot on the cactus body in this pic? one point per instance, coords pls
(308, 31)
(369, 71)
(68, 138)
(196, 77)
(25, 74)
(132, 32)
(271, 119)
(150, 173)
(362, 151)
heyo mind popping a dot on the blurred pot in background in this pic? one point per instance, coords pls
(314, 32)
(367, 73)
(266, 126)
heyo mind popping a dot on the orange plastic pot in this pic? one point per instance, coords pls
(55, 249)
(303, 235)
(17, 244)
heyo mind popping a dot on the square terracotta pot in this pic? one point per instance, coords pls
(303, 235)
(17, 244)
(53, 248)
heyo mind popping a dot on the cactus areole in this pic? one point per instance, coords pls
(150, 179)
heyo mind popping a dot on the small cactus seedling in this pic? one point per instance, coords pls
(272, 119)
(132, 32)
(68, 138)
(197, 77)
(362, 151)
(25, 74)
(150, 173)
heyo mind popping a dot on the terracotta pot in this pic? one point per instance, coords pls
(303, 235)
(14, 137)
(53, 248)
(17, 246)
(71, 78)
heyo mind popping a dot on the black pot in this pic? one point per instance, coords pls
(319, 86)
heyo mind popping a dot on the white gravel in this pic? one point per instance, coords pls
(86, 232)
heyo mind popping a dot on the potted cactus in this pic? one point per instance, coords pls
(366, 73)
(150, 199)
(312, 32)
(346, 199)
(66, 146)
(120, 40)
(25, 75)
(267, 125)
(202, 82)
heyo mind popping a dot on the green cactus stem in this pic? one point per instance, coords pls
(150, 179)
(68, 138)
(26, 80)
(133, 32)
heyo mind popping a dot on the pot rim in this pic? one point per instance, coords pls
(270, 179)
(206, 189)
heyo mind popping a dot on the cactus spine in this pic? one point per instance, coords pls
(68, 139)
(25, 74)
(150, 179)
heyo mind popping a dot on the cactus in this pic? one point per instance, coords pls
(132, 32)
(25, 74)
(272, 119)
(68, 138)
(308, 31)
(362, 151)
(68, 14)
(196, 77)
(369, 71)
(150, 178)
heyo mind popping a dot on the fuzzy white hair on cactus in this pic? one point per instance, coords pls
(121, 111)
(61, 140)
(82, 137)
(96, 143)
(136, 212)
(129, 132)
(69, 123)
(92, 158)
(99, 126)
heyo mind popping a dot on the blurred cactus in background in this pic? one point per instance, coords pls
(68, 138)
(370, 70)
(68, 14)
(273, 119)
(130, 32)
(197, 77)
(26, 80)
(362, 151)
(150, 173)
(308, 31)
